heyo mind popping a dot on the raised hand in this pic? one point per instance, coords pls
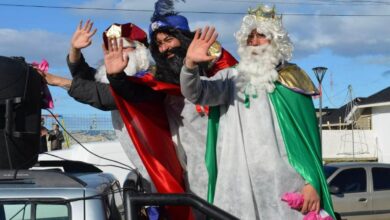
(114, 58)
(82, 36)
(198, 50)
(311, 199)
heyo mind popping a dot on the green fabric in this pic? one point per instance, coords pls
(298, 124)
(211, 153)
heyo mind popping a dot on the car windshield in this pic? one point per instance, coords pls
(329, 170)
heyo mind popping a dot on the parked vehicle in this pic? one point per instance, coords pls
(72, 190)
(360, 191)
(76, 191)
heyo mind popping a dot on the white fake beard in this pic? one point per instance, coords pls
(139, 60)
(257, 68)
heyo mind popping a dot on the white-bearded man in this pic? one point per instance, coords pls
(268, 139)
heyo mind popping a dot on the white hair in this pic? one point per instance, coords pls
(272, 28)
(257, 64)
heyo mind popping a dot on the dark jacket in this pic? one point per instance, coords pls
(86, 90)
(56, 138)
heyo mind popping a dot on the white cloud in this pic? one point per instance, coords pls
(36, 45)
(344, 36)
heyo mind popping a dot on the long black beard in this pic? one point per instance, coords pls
(168, 70)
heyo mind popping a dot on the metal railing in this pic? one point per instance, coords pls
(134, 200)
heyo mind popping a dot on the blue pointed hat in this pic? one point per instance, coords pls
(165, 16)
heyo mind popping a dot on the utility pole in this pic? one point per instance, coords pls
(353, 121)
(320, 73)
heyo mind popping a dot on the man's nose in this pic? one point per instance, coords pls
(254, 42)
(164, 47)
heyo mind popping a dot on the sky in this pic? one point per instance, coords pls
(348, 37)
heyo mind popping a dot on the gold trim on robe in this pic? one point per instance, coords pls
(293, 77)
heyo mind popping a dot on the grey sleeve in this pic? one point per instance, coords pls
(213, 91)
(93, 93)
(81, 69)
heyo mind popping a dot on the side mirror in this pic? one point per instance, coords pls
(334, 190)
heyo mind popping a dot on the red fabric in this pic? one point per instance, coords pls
(133, 32)
(148, 79)
(149, 130)
(129, 31)
(226, 60)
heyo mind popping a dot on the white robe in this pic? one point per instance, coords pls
(188, 129)
(253, 168)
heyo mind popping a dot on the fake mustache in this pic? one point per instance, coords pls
(177, 51)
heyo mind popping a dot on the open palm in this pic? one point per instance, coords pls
(198, 50)
(114, 60)
(83, 34)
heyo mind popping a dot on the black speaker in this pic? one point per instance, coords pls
(20, 113)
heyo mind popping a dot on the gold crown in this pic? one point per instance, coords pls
(264, 12)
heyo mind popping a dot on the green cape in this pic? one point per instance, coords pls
(298, 124)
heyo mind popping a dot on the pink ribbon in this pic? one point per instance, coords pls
(295, 201)
(43, 66)
(47, 99)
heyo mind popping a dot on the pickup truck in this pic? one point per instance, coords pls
(360, 190)
(65, 190)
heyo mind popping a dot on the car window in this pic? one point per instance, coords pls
(15, 211)
(350, 180)
(381, 178)
(52, 212)
(329, 170)
(23, 211)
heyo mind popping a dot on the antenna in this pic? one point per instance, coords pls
(353, 120)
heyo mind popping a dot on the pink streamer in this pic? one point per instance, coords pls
(47, 99)
(295, 201)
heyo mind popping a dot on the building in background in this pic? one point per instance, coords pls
(358, 131)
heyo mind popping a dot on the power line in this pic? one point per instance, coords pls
(189, 12)
(318, 2)
(73, 7)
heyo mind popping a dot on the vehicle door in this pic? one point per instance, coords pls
(352, 200)
(381, 192)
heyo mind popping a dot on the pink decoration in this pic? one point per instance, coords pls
(295, 201)
(47, 99)
(322, 215)
(43, 66)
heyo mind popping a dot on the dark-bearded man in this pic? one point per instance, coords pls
(170, 36)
